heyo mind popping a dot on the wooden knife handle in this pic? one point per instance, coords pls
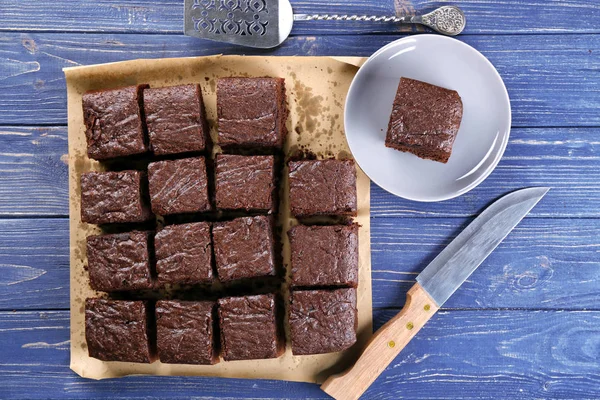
(383, 347)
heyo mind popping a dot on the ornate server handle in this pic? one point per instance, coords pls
(449, 20)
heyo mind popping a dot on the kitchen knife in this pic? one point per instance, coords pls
(438, 281)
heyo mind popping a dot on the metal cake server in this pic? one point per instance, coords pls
(267, 23)
(438, 281)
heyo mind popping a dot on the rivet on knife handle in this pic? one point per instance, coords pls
(383, 347)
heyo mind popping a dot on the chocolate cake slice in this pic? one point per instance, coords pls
(425, 120)
(252, 113)
(113, 122)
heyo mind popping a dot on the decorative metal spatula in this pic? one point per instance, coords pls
(267, 23)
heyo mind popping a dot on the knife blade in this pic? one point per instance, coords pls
(435, 284)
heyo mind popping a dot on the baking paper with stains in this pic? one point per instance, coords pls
(316, 91)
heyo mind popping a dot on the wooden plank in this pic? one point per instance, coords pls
(483, 354)
(33, 175)
(567, 160)
(542, 264)
(537, 69)
(165, 16)
(34, 264)
(33, 171)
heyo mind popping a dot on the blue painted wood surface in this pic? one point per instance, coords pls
(549, 77)
(525, 325)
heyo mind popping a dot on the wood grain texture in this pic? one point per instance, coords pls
(33, 171)
(165, 16)
(565, 159)
(537, 69)
(532, 268)
(543, 263)
(385, 345)
(34, 264)
(33, 175)
(483, 354)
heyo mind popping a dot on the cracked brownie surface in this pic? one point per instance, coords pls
(184, 332)
(252, 112)
(113, 122)
(114, 197)
(245, 182)
(323, 321)
(175, 118)
(178, 186)
(184, 254)
(244, 248)
(117, 330)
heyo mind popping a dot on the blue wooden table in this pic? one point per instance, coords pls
(525, 325)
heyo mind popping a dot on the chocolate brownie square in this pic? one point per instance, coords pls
(184, 254)
(113, 122)
(323, 321)
(425, 120)
(114, 197)
(117, 330)
(176, 120)
(178, 186)
(249, 328)
(322, 187)
(244, 248)
(119, 261)
(184, 332)
(252, 112)
(324, 255)
(245, 183)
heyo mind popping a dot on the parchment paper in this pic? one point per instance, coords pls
(316, 90)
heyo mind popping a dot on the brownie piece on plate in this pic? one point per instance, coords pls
(184, 254)
(252, 112)
(244, 248)
(114, 197)
(425, 120)
(176, 120)
(249, 328)
(178, 186)
(184, 332)
(117, 330)
(324, 255)
(323, 321)
(322, 187)
(113, 122)
(245, 183)
(119, 261)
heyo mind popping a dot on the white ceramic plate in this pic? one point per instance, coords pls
(484, 129)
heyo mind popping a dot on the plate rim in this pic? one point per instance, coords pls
(506, 99)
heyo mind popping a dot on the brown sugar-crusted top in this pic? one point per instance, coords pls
(249, 328)
(323, 321)
(184, 332)
(184, 254)
(178, 186)
(175, 118)
(244, 248)
(252, 112)
(245, 182)
(113, 122)
(119, 261)
(324, 255)
(322, 187)
(113, 197)
(425, 120)
(117, 330)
